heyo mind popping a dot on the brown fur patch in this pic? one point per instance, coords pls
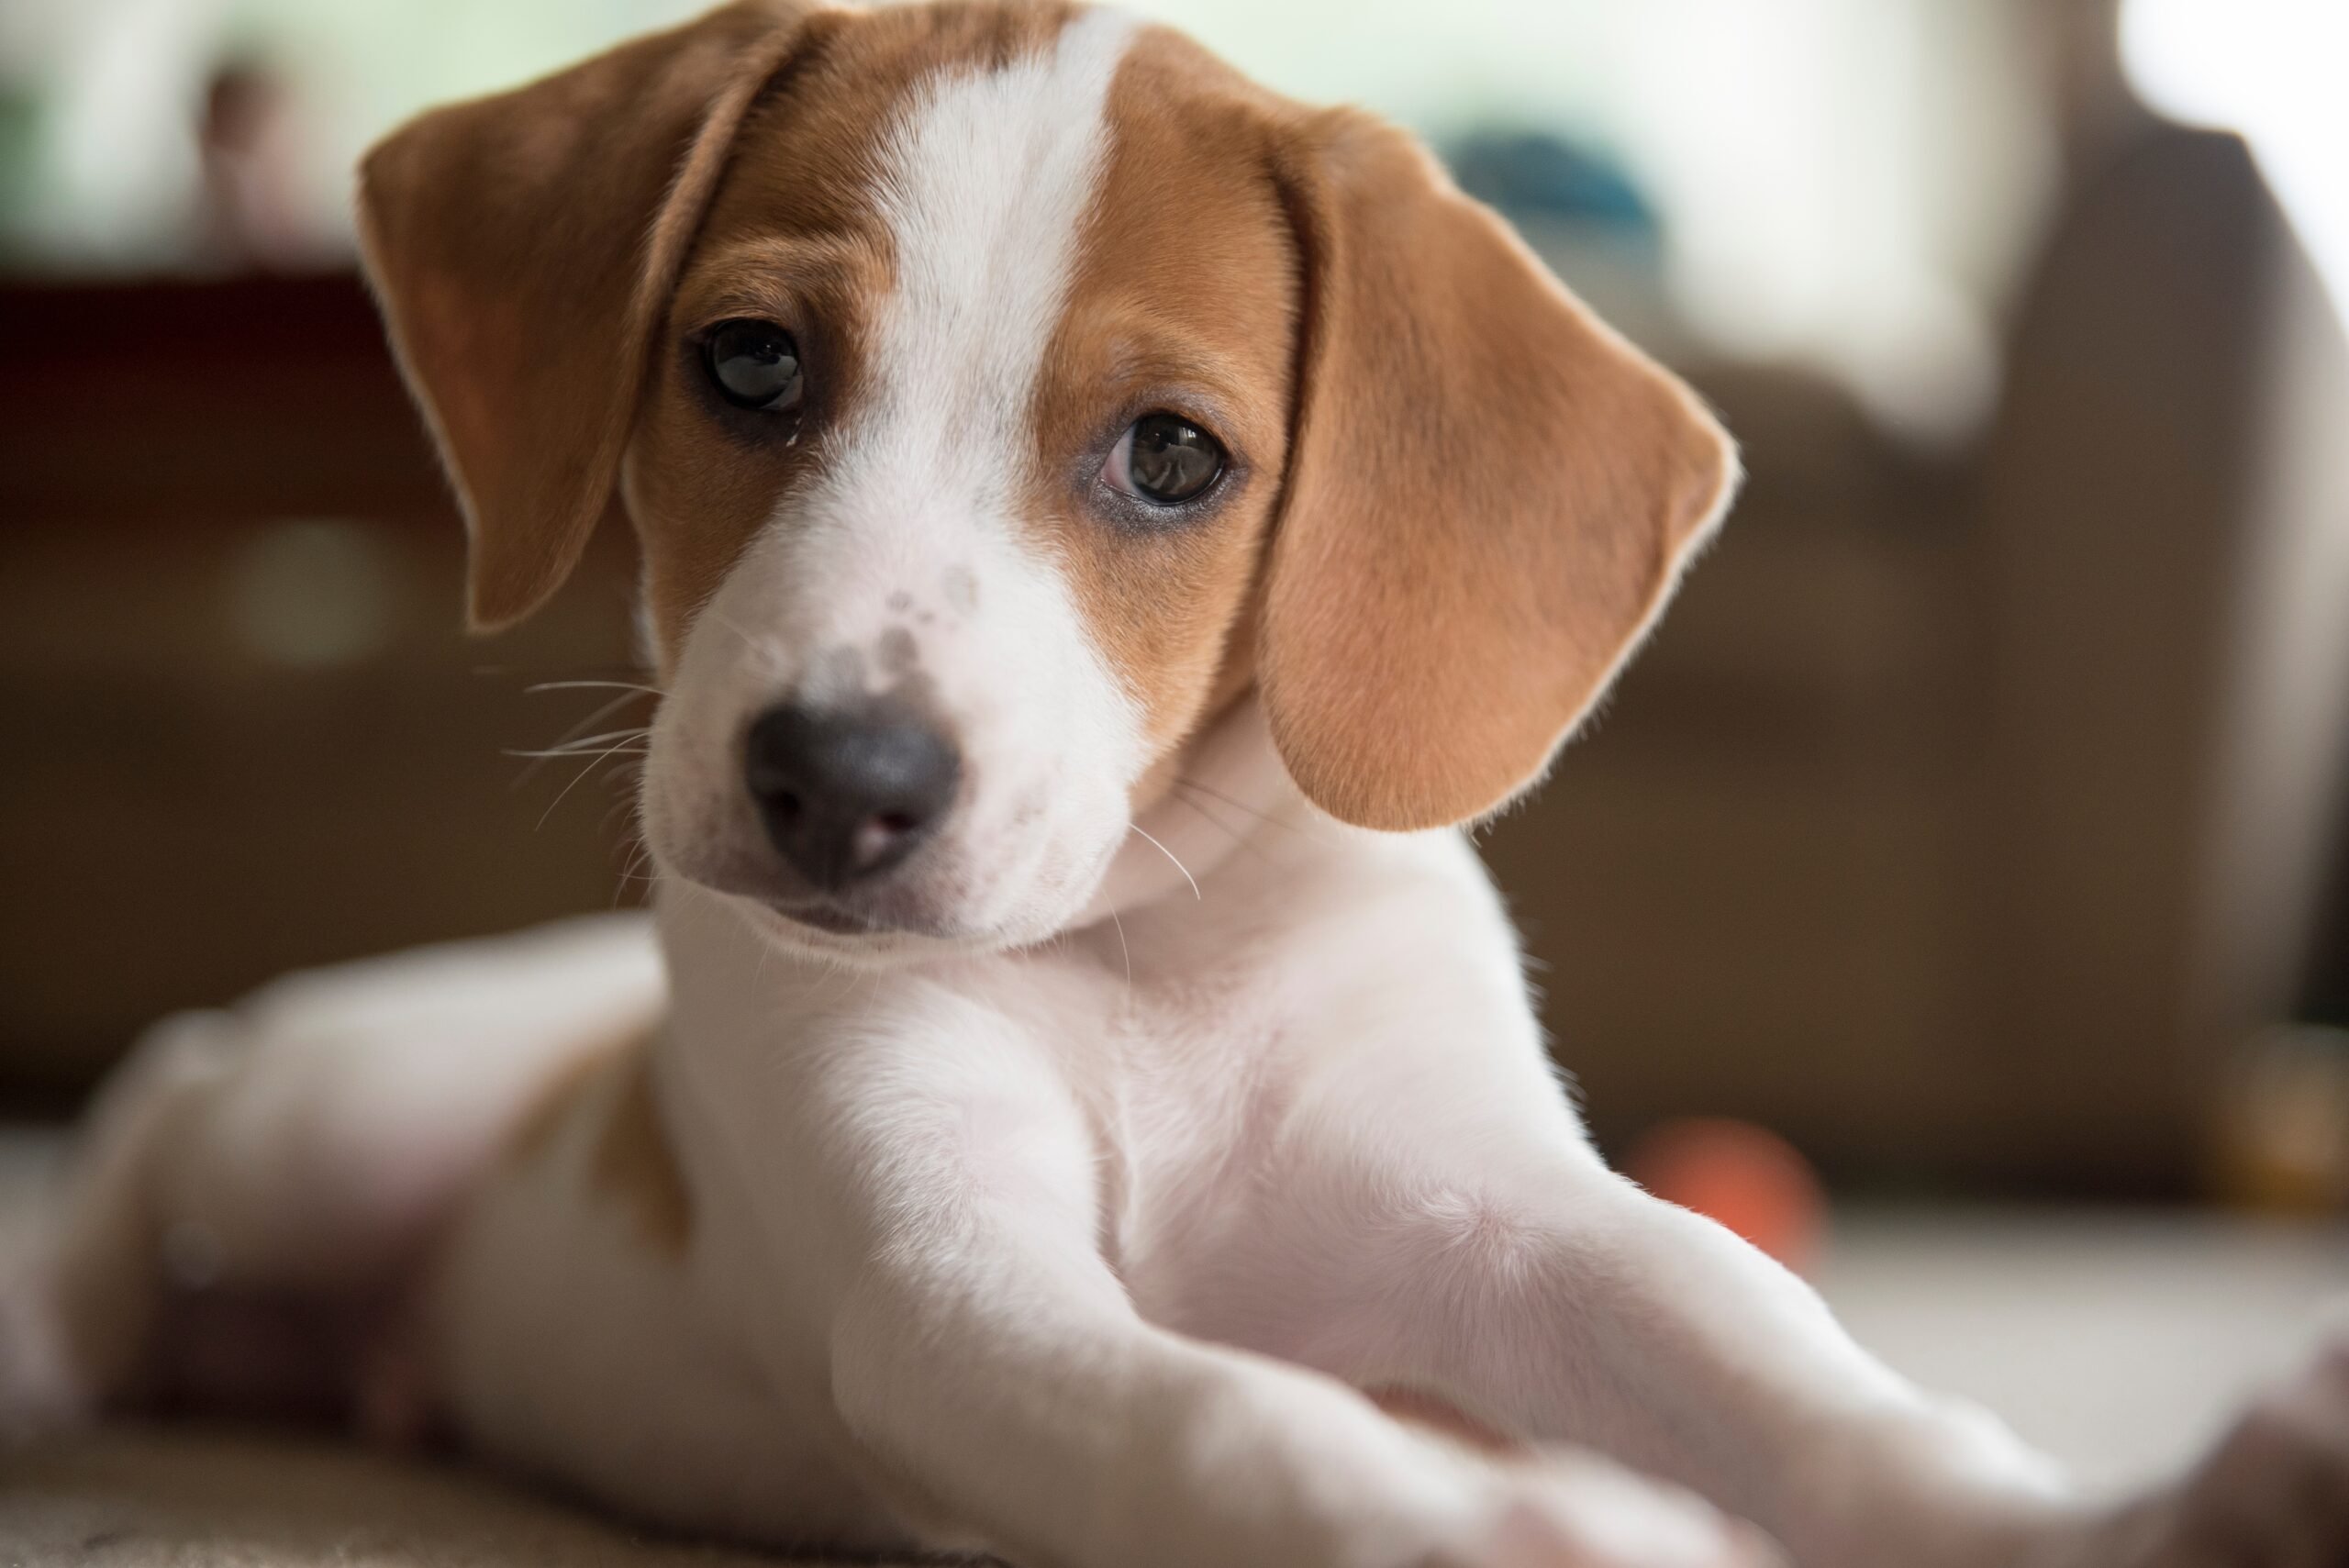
(1184, 300)
(609, 1096)
(634, 1164)
(523, 247)
(1490, 496)
(566, 1094)
(1456, 500)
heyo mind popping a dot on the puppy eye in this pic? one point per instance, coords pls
(754, 364)
(1164, 459)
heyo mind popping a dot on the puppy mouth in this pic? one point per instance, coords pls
(828, 930)
(872, 914)
(833, 920)
(860, 918)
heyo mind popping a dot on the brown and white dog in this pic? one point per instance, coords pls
(1103, 526)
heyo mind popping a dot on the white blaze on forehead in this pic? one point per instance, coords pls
(985, 186)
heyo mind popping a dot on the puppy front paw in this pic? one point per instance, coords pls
(1575, 1511)
(2273, 1493)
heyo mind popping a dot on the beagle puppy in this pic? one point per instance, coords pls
(1104, 527)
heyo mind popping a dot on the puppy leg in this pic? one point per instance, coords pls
(1656, 1335)
(1478, 1251)
(996, 1380)
(300, 1147)
(1549, 1297)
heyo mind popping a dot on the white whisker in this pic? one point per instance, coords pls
(723, 619)
(581, 747)
(1178, 864)
(575, 780)
(1127, 952)
(593, 686)
(1239, 838)
(1238, 804)
(571, 736)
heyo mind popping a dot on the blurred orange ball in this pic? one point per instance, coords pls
(1743, 1177)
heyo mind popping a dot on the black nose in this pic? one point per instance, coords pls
(848, 793)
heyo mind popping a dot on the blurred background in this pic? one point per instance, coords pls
(1973, 837)
(1976, 826)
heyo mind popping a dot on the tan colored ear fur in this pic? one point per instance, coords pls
(522, 247)
(1490, 496)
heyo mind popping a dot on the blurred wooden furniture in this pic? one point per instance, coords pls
(2166, 524)
(1745, 887)
(244, 731)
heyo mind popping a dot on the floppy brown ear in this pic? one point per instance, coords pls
(523, 248)
(1490, 496)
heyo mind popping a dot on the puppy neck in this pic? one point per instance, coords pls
(1228, 790)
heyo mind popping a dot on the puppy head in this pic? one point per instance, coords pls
(997, 393)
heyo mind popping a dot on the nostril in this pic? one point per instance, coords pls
(872, 841)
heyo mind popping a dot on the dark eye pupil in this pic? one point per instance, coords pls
(755, 365)
(1173, 459)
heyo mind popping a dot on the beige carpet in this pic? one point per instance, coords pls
(132, 1498)
(2116, 1344)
